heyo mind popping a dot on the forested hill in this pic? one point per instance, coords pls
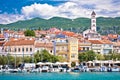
(104, 25)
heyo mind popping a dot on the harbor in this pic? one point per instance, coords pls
(90, 66)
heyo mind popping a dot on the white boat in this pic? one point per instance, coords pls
(34, 71)
(115, 68)
(103, 69)
(85, 69)
(13, 70)
(45, 69)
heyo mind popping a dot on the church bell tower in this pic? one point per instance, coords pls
(93, 21)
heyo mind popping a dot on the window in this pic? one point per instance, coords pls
(87, 48)
(72, 55)
(93, 24)
(30, 49)
(51, 51)
(9, 49)
(22, 49)
(110, 45)
(93, 20)
(83, 48)
(18, 49)
(15, 49)
(26, 49)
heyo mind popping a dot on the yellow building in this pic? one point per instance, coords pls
(73, 50)
(68, 48)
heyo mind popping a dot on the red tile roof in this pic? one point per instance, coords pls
(100, 41)
(113, 36)
(43, 44)
(95, 41)
(68, 33)
(20, 42)
(106, 42)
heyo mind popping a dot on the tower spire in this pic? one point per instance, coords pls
(93, 21)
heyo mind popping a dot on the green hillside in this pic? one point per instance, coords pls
(104, 25)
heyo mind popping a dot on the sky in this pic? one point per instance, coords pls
(15, 10)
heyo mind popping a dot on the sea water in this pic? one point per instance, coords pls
(61, 76)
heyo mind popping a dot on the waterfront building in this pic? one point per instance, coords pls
(19, 46)
(44, 45)
(102, 46)
(61, 48)
(116, 47)
(68, 48)
(73, 50)
(107, 46)
(96, 46)
(84, 45)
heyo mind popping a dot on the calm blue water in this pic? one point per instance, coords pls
(62, 76)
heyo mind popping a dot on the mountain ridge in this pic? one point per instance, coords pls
(104, 25)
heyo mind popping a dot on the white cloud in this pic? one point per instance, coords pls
(70, 9)
(10, 18)
(38, 10)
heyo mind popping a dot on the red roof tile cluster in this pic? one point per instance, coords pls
(113, 36)
(104, 38)
(20, 42)
(95, 41)
(100, 41)
(44, 44)
(106, 41)
(68, 33)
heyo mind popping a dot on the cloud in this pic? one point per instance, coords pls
(69, 9)
(10, 18)
(73, 9)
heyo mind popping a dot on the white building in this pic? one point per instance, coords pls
(91, 34)
(101, 46)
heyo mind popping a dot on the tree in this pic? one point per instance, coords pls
(39, 28)
(73, 64)
(91, 55)
(45, 56)
(82, 57)
(27, 59)
(86, 56)
(29, 33)
(61, 59)
(100, 57)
